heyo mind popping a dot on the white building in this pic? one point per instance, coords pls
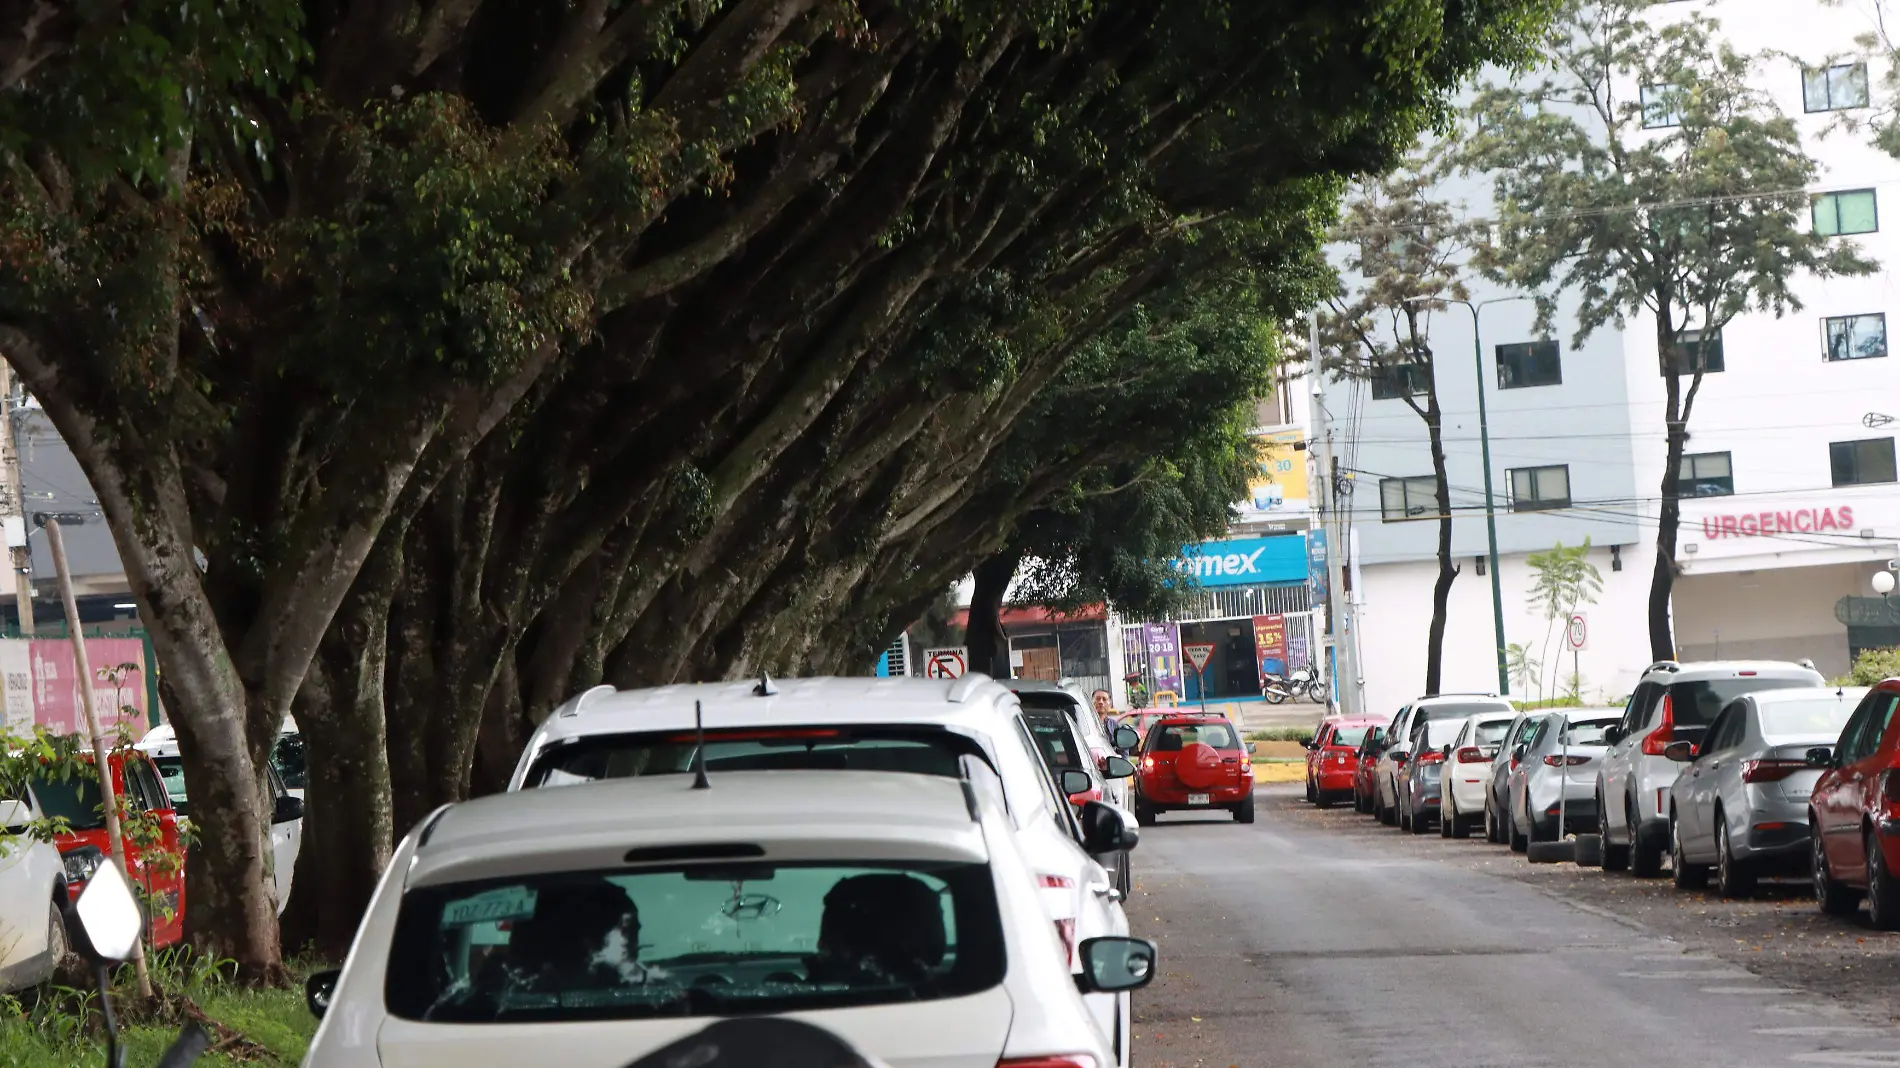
(1795, 504)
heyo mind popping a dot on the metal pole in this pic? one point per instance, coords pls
(1325, 468)
(13, 506)
(1490, 510)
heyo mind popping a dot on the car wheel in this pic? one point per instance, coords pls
(1418, 823)
(1645, 856)
(1490, 824)
(1520, 842)
(1835, 898)
(1733, 877)
(1312, 795)
(1461, 827)
(1883, 890)
(1688, 876)
(1320, 800)
(1447, 818)
(1144, 813)
(1615, 857)
(1243, 812)
(56, 945)
(1386, 815)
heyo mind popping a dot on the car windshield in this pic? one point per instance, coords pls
(1176, 736)
(74, 799)
(1491, 732)
(1051, 731)
(1819, 717)
(707, 940)
(1349, 736)
(620, 756)
(1696, 704)
(1589, 731)
(172, 770)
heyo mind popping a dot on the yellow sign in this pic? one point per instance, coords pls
(1281, 482)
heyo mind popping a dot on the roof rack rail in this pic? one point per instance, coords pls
(960, 689)
(580, 703)
(1663, 665)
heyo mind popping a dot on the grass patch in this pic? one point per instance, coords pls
(59, 1026)
(1283, 734)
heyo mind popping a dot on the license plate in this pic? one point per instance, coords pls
(1197, 799)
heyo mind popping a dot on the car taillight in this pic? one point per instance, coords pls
(1470, 754)
(1431, 756)
(1557, 761)
(1770, 770)
(1147, 763)
(1659, 739)
(1075, 1060)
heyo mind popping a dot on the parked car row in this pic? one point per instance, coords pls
(1723, 772)
(922, 866)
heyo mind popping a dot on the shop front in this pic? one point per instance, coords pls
(1252, 605)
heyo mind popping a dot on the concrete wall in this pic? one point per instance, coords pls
(1776, 614)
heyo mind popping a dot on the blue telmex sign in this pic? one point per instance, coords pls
(1246, 561)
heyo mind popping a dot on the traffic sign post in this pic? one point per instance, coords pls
(1198, 654)
(946, 663)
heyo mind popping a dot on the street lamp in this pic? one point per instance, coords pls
(1883, 582)
(1484, 439)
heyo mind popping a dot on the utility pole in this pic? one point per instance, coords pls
(1326, 470)
(13, 506)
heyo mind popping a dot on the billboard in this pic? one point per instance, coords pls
(1279, 484)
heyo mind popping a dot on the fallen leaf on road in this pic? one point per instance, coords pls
(1196, 1019)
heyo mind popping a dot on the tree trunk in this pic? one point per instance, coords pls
(989, 646)
(1662, 644)
(1447, 571)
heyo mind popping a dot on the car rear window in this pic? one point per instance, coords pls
(1351, 737)
(1432, 713)
(704, 940)
(1492, 732)
(922, 751)
(172, 770)
(1590, 731)
(1696, 704)
(1822, 716)
(1170, 737)
(1050, 729)
(1442, 732)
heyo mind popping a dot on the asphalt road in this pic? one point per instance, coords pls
(1310, 938)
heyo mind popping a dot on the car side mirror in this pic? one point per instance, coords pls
(1251, 750)
(1126, 739)
(1074, 781)
(1613, 735)
(1517, 754)
(288, 808)
(1105, 830)
(1446, 751)
(1820, 757)
(1117, 768)
(1113, 964)
(318, 989)
(1680, 752)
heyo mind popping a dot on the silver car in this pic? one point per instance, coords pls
(1673, 703)
(1741, 802)
(1497, 789)
(1556, 774)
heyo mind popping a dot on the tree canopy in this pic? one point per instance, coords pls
(433, 361)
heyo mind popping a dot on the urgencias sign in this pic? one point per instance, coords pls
(1763, 524)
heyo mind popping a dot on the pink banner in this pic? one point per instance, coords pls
(118, 684)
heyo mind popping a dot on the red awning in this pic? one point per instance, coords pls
(1038, 616)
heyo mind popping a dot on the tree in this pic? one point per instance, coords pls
(430, 368)
(1642, 173)
(1565, 579)
(1523, 667)
(1406, 256)
(1872, 666)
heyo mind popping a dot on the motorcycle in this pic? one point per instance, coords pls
(1305, 681)
(103, 927)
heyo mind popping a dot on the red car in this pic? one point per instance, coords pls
(1854, 813)
(1364, 786)
(1194, 762)
(156, 867)
(1332, 758)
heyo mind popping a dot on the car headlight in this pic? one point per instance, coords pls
(82, 863)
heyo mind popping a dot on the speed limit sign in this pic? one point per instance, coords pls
(1577, 633)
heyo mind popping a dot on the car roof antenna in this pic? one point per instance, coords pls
(699, 749)
(765, 687)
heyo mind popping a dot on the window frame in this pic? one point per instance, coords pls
(1530, 351)
(1407, 516)
(1539, 503)
(1827, 337)
(1662, 106)
(1712, 356)
(1893, 462)
(1690, 477)
(1833, 197)
(1386, 380)
(1827, 87)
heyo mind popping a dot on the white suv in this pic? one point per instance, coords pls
(860, 724)
(32, 889)
(585, 928)
(1398, 744)
(1673, 703)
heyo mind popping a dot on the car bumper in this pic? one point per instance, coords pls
(1579, 817)
(1172, 797)
(1334, 781)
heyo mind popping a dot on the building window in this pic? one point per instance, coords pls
(1692, 348)
(1835, 88)
(1706, 474)
(1856, 337)
(1852, 212)
(1534, 488)
(1532, 363)
(1866, 462)
(1396, 380)
(1660, 107)
(1408, 498)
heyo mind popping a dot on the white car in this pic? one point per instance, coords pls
(860, 724)
(1398, 744)
(1067, 696)
(1673, 702)
(286, 826)
(286, 756)
(32, 887)
(1468, 772)
(1556, 775)
(585, 928)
